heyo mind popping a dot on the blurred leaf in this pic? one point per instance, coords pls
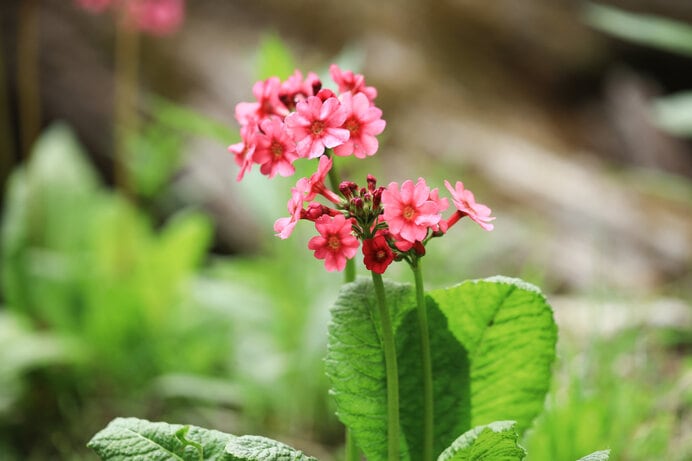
(497, 441)
(603, 455)
(132, 438)
(674, 113)
(154, 156)
(645, 29)
(507, 327)
(256, 448)
(274, 59)
(183, 119)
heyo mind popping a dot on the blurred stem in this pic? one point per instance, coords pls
(6, 134)
(426, 363)
(391, 368)
(28, 75)
(126, 85)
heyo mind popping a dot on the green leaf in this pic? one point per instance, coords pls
(274, 59)
(181, 119)
(138, 439)
(497, 441)
(603, 455)
(256, 448)
(451, 383)
(507, 327)
(355, 366)
(646, 29)
(674, 113)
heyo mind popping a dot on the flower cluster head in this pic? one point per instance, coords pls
(155, 17)
(298, 118)
(306, 120)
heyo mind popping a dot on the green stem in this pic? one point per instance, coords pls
(391, 370)
(426, 362)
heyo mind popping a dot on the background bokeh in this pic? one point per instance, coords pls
(172, 300)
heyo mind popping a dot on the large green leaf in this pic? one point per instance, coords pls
(497, 441)
(137, 439)
(355, 366)
(451, 383)
(256, 448)
(507, 327)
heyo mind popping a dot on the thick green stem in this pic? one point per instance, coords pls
(391, 370)
(426, 364)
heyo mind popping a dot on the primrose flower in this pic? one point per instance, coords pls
(268, 103)
(364, 122)
(336, 242)
(314, 185)
(348, 81)
(466, 205)
(157, 17)
(410, 212)
(244, 151)
(275, 150)
(316, 125)
(295, 89)
(284, 226)
(377, 254)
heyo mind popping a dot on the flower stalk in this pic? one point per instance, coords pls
(426, 364)
(391, 369)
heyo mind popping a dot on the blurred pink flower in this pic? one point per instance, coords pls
(410, 212)
(466, 205)
(284, 226)
(316, 125)
(364, 122)
(244, 151)
(157, 17)
(267, 94)
(336, 242)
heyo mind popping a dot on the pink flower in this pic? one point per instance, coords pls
(244, 151)
(275, 150)
(348, 81)
(336, 242)
(268, 103)
(295, 89)
(466, 205)
(314, 185)
(410, 212)
(364, 122)
(377, 254)
(94, 6)
(316, 125)
(284, 226)
(157, 17)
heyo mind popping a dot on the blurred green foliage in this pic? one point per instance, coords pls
(672, 113)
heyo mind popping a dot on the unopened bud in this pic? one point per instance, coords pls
(314, 211)
(372, 182)
(325, 93)
(357, 203)
(419, 248)
(346, 188)
(316, 86)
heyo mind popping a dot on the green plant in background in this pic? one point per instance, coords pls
(672, 113)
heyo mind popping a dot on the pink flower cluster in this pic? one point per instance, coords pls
(297, 118)
(155, 17)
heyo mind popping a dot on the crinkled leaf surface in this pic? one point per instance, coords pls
(497, 441)
(355, 366)
(603, 455)
(451, 384)
(256, 448)
(507, 327)
(137, 439)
